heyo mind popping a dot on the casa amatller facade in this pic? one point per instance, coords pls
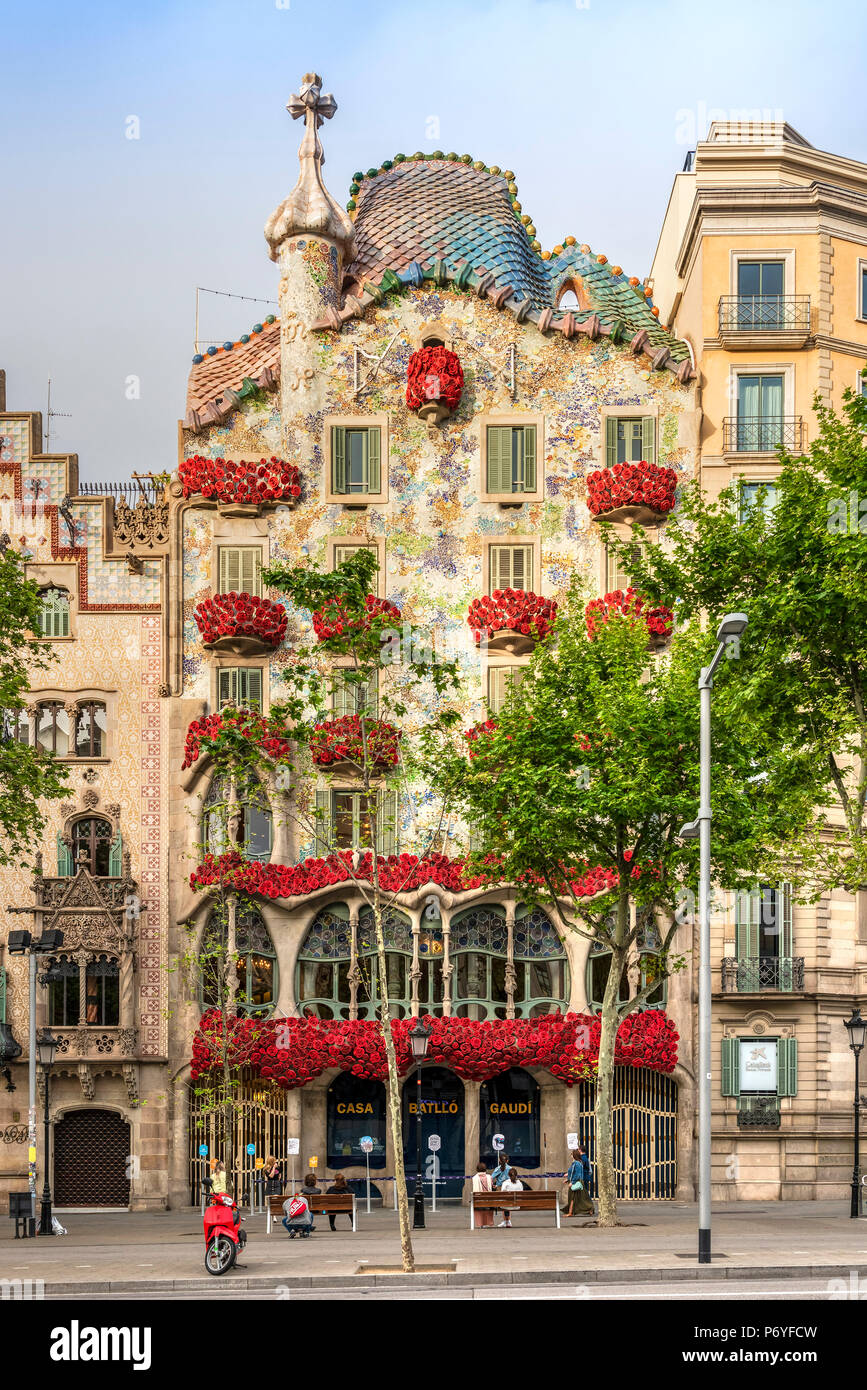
(303, 440)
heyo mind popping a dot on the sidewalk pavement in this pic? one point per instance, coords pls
(137, 1252)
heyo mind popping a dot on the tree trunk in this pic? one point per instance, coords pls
(393, 1096)
(605, 1073)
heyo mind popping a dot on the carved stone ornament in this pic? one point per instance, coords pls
(85, 1076)
(89, 799)
(127, 1038)
(131, 1080)
(145, 526)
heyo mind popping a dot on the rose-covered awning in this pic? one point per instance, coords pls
(631, 492)
(244, 624)
(290, 1052)
(239, 483)
(511, 619)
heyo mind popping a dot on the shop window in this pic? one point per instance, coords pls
(102, 992)
(240, 687)
(90, 730)
(630, 440)
(240, 569)
(509, 1105)
(255, 962)
(355, 1110)
(53, 728)
(255, 825)
(54, 615)
(96, 848)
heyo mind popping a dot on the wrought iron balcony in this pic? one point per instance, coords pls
(756, 434)
(753, 974)
(765, 313)
(758, 1112)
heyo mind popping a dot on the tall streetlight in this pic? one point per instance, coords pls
(46, 1046)
(419, 1037)
(732, 625)
(23, 943)
(857, 1029)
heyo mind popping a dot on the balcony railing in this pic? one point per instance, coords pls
(757, 434)
(758, 1112)
(753, 974)
(764, 313)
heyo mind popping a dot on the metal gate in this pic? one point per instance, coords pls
(645, 1132)
(259, 1118)
(91, 1159)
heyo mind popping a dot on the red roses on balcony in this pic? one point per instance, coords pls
(512, 611)
(333, 620)
(269, 480)
(434, 376)
(213, 728)
(631, 485)
(241, 615)
(659, 619)
(342, 741)
(293, 1051)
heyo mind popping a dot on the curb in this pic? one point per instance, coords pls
(339, 1283)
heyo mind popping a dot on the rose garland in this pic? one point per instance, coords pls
(340, 740)
(434, 374)
(659, 619)
(332, 619)
(241, 615)
(269, 480)
(631, 484)
(292, 1052)
(266, 734)
(516, 610)
(398, 873)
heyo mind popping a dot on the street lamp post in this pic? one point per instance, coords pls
(46, 1046)
(732, 625)
(419, 1037)
(24, 943)
(857, 1029)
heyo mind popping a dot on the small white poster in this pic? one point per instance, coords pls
(758, 1070)
(293, 1146)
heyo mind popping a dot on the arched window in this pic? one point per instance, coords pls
(90, 730)
(256, 824)
(53, 728)
(397, 932)
(102, 992)
(64, 999)
(96, 848)
(54, 617)
(478, 947)
(322, 975)
(598, 970)
(256, 962)
(568, 300)
(325, 973)
(540, 964)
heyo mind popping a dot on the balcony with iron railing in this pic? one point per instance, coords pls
(759, 434)
(759, 1112)
(756, 974)
(756, 320)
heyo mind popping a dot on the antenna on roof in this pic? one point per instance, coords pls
(52, 415)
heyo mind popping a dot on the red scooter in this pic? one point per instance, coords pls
(223, 1234)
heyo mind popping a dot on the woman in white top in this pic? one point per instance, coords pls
(511, 1184)
(482, 1183)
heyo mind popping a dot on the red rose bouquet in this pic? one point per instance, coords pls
(241, 615)
(629, 485)
(434, 375)
(269, 480)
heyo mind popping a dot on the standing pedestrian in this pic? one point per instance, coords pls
(482, 1183)
(578, 1201)
(273, 1177)
(510, 1183)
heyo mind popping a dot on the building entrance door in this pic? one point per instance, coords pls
(442, 1106)
(91, 1159)
(645, 1132)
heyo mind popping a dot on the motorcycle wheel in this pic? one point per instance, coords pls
(220, 1255)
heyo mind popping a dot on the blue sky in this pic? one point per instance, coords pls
(105, 238)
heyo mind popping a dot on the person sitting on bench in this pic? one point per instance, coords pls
(341, 1188)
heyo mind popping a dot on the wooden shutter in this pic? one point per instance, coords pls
(240, 568)
(747, 909)
(250, 687)
(230, 569)
(64, 860)
(498, 684)
(511, 567)
(338, 459)
(227, 686)
(785, 948)
(386, 822)
(648, 439)
(528, 456)
(787, 1066)
(610, 442)
(324, 818)
(115, 858)
(730, 1084)
(499, 480)
(251, 570)
(373, 464)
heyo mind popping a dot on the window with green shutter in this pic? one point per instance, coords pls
(510, 567)
(511, 459)
(617, 575)
(350, 697)
(54, 617)
(240, 569)
(630, 440)
(348, 816)
(356, 466)
(787, 1066)
(240, 686)
(730, 1083)
(65, 868)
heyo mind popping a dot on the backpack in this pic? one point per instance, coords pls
(297, 1207)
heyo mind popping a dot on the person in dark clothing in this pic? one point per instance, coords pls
(310, 1188)
(341, 1187)
(578, 1201)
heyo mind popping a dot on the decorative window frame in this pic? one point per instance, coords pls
(505, 541)
(71, 700)
(356, 501)
(232, 542)
(65, 578)
(512, 418)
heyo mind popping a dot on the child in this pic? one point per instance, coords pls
(510, 1184)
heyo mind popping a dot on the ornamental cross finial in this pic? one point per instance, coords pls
(311, 98)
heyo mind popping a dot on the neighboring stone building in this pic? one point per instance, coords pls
(566, 367)
(100, 873)
(762, 267)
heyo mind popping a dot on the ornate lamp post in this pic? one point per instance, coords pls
(46, 1047)
(419, 1037)
(857, 1029)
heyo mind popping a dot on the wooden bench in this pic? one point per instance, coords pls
(321, 1204)
(528, 1200)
